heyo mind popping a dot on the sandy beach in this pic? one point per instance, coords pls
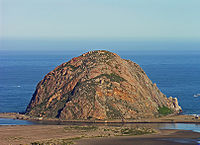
(165, 137)
(89, 135)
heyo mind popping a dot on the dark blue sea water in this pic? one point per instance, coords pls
(177, 74)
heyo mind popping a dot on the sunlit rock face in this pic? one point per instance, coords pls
(98, 85)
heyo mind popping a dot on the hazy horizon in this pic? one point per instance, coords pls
(84, 25)
(88, 45)
(105, 20)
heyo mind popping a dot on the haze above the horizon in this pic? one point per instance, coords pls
(100, 20)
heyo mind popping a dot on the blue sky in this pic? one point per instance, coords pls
(100, 19)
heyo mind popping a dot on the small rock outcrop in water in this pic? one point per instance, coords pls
(98, 85)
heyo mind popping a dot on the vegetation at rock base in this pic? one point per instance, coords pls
(163, 111)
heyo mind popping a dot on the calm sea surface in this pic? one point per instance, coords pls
(176, 74)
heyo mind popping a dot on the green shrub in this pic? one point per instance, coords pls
(83, 128)
(136, 131)
(164, 111)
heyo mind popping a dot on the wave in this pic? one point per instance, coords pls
(197, 95)
(18, 86)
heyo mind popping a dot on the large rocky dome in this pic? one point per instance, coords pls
(98, 85)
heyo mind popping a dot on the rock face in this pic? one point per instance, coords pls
(98, 85)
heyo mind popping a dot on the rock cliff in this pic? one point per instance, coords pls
(98, 85)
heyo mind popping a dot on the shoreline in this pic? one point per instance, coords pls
(164, 119)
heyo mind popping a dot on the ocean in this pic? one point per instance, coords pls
(176, 74)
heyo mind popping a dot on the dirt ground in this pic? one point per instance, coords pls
(89, 135)
(165, 137)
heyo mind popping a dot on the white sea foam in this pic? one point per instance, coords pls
(196, 130)
(197, 95)
(198, 142)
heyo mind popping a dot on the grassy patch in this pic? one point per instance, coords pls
(15, 138)
(136, 131)
(163, 111)
(113, 77)
(82, 128)
(67, 65)
(108, 131)
(60, 141)
(54, 142)
(116, 78)
(113, 113)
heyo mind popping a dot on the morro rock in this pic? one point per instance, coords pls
(98, 85)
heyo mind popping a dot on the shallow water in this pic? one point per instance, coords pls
(182, 126)
(5, 121)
